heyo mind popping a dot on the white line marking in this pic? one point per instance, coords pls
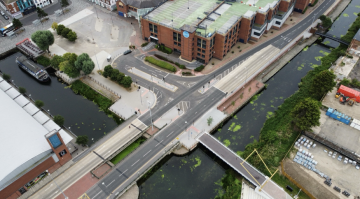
(158, 143)
(169, 134)
(97, 194)
(110, 183)
(135, 162)
(147, 153)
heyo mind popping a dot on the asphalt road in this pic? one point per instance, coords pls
(131, 165)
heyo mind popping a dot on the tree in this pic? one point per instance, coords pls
(107, 71)
(6, 77)
(209, 121)
(71, 58)
(54, 25)
(126, 81)
(306, 114)
(56, 60)
(326, 21)
(65, 32)
(322, 83)
(59, 29)
(80, 59)
(41, 13)
(120, 78)
(17, 23)
(68, 69)
(72, 36)
(82, 140)
(88, 66)
(114, 75)
(22, 90)
(64, 3)
(322, 17)
(39, 103)
(43, 39)
(59, 120)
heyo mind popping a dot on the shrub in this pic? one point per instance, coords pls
(213, 63)
(56, 60)
(68, 69)
(182, 66)
(345, 82)
(312, 5)
(107, 71)
(22, 90)
(6, 77)
(104, 103)
(164, 49)
(72, 36)
(144, 44)
(59, 29)
(43, 61)
(54, 26)
(160, 63)
(239, 47)
(39, 103)
(232, 51)
(65, 32)
(200, 68)
(186, 73)
(82, 140)
(59, 120)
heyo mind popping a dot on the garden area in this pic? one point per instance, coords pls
(127, 150)
(71, 64)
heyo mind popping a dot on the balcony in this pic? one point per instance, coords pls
(259, 26)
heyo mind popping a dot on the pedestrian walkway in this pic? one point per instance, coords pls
(151, 78)
(168, 117)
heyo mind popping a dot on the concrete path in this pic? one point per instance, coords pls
(168, 118)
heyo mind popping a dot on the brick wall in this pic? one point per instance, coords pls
(219, 46)
(260, 18)
(244, 29)
(301, 4)
(122, 7)
(187, 44)
(284, 6)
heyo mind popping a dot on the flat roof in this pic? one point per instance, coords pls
(22, 136)
(175, 14)
(29, 64)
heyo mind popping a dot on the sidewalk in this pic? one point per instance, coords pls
(168, 118)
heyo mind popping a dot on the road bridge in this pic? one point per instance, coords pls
(268, 189)
(332, 37)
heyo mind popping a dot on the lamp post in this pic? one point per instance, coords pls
(52, 179)
(140, 94)
(152, 125)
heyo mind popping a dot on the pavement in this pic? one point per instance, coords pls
(332, 102)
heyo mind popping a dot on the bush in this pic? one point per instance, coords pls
(164, 49)
(68, 69)
(6, 77)
(186, 73)
(59, 120)
(345, 82)
(200, 68)
(22, 90)
(65, 32)
(160, 63)
(39, 103)
(312, 5)
(72, 36)
(117, 76)
(43, 61)
(56, 60)
(59, 29)
(82, 140)
(144, 44)
(104, 103)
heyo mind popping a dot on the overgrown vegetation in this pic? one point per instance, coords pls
(104, 103)
(278, 132)
(354, 83)
(325, 20)
(128, 150)
(144, 44)
(163, 49)
(352, 31)
(117, 76)
(160, 63)
(200, 68)
(231, 186)
(71, 64)
(43, 60)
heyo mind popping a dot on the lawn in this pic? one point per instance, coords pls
(127, 150)
(160, 63)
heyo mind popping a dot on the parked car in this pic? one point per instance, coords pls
(2, 13)
(6, 17)
(127, 52)
(340, 157)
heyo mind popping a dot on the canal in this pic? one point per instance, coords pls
(81, 115)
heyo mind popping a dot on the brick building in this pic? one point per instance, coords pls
(108, 4)
(203, 29)
(301, 5)
(18, 8)
(136, 8)
(31, 144)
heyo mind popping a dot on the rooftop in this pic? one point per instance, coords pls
(143, 3)
(179, 12)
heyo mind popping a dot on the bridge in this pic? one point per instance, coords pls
(264, 186)
(332, 37)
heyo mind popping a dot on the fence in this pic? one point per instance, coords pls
(293, 181)
(105, 87)
(65, 78)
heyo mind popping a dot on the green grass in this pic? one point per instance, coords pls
(160, 63)
(127, 150)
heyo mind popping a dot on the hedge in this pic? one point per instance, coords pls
(43, 60)
(160, 63)
(200, 68)
(164, 49)
(104, 103)
(144, 44)
(186, 73)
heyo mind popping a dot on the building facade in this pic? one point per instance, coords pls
(214, 28)
(108, 4)
(136, 8)
(301, 5)
(42, 3)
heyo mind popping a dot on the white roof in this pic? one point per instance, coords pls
(20, 131)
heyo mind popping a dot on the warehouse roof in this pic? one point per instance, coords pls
(143, 3)
(22, 136)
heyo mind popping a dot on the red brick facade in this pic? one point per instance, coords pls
(201, 48)
(12, 7)
(49, 164)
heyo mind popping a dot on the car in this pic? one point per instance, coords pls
(6, 17)
(2, 13)
(127, 52)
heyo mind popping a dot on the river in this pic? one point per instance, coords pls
(81, 115)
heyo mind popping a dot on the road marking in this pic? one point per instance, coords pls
(56, 191)
(147, 153)
(122, 173)
(195, 112)
(48, 187)
(110, 183)
(135, 162)
(169, 134)
(97, 194)
(158, 143)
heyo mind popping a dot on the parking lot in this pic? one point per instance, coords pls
(344, 176)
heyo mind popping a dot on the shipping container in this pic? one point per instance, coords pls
(348, 92)
(338, 116)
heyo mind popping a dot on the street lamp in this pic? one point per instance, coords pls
(52, 179)
(140, 94)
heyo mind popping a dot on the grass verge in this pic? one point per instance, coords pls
(128, 150)
(160, 63)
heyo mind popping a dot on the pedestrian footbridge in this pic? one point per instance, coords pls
(264, 186)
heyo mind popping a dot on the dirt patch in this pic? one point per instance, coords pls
(99, 172)
(307, 181)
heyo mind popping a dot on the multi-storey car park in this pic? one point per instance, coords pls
(203, 29)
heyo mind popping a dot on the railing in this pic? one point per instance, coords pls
(105, 87)
(258, 26)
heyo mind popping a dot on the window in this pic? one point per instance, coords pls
(202, 55)
(199, 49)
(151, 27)
(201, 43)
(175, 43)
(277, 22)
(203, 51)
(198, 54)
(151, 34)
(257, 34)
(179, 44)
(177, 36)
